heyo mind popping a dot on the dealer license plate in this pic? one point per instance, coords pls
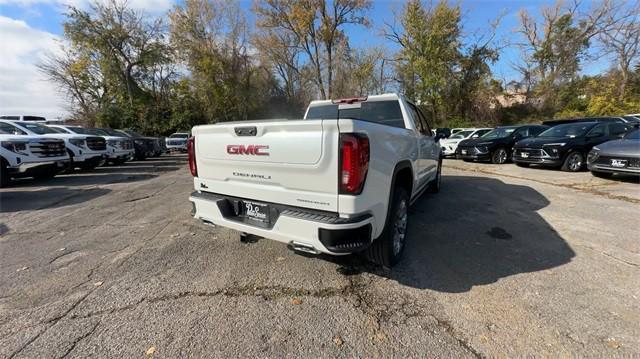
(524, 155)
(256, 211)
(464, 152)
(618, 163)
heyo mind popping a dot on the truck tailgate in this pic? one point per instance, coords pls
(285, 162)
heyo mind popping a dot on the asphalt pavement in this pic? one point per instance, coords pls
(502, 262)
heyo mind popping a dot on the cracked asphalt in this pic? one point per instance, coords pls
(503, 262)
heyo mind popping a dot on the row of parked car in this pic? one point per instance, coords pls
(34, 148)
(604, 145)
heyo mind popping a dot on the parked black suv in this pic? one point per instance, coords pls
(496, 145)
(566, 146)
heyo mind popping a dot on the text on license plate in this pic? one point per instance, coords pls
(256, 211)
(524, 155)
(618, 163)
(464, 152)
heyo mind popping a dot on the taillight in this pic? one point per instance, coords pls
(354, 162)
(191, 150)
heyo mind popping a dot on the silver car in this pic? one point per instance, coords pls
(618, 156)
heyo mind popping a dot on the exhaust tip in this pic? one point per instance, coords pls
(302, 247)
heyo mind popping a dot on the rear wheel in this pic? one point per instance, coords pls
(387, 249)
(574, 162)
(602, 174)
(499, 156)
(522, 164)
(5, 179)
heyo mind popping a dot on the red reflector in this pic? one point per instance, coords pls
(191, 150)
(354, 157)
(350, 100)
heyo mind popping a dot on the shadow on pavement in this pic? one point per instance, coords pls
(14, 201)
(474, 232)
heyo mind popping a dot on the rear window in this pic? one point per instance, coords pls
(382, 112)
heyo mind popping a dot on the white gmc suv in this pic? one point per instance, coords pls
(339, 181)
(85, 152)
(30, 156)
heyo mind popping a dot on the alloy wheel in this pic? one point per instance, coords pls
(575, 162)
(500, 156)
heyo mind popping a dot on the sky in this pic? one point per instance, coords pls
(30, 29)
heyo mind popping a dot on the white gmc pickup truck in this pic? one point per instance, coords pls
(339, 181)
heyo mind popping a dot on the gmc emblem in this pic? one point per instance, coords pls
(255, 150)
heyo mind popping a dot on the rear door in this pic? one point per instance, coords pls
(430, 151)
(286, 162)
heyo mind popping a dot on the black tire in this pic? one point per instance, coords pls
(522, 164)
(434, 186)
(383, 251)
(602, 174)
(5, 179)
(574, 162)
(499, 156)
(118, 161)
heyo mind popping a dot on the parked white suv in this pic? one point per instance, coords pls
(119, 148)
(29, 156)
(86, 152)
(450, 145)
(177, 141)
(339, 181)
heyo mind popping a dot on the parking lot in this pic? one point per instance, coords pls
(504, 261)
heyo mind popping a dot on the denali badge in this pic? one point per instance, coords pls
(255, 150)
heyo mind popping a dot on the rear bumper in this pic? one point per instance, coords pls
(317, 231)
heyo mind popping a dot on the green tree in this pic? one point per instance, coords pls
(314, 28)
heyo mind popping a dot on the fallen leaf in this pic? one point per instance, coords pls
(338, 341)
(380, 337)
(97, 284)
(296, 301)
(62, 249)
(21, 269)
(279, 259)
(613, 343)
(193, 233)
(150, 351)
